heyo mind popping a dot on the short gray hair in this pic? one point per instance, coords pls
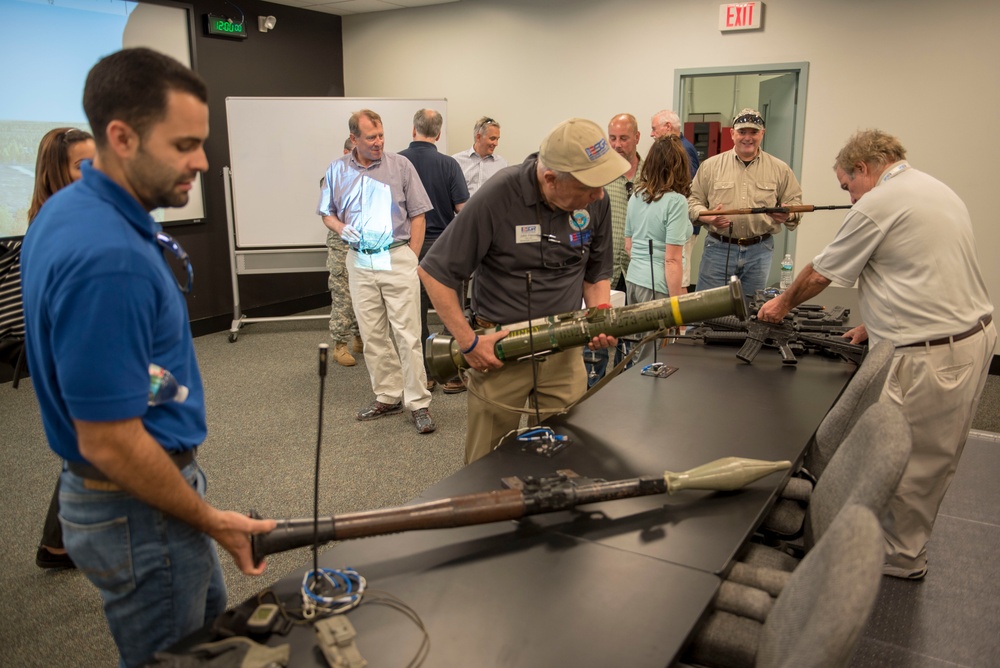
(872, 147)
(482, 124)
(669, 116)
(428, 122)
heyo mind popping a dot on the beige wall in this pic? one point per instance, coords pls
(922, 70)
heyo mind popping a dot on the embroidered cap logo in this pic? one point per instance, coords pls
(597, 150)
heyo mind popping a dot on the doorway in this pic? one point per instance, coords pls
(778, 92)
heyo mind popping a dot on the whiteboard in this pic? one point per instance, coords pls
(280, 148)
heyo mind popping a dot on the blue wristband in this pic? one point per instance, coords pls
(475, 342)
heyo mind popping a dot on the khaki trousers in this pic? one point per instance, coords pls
(562, 379)
(938, 389)
(688, 250)
(387, 305)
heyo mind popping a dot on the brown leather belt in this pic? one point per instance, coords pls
(746, 241)
(975, 329)
(483, 323)
(94, 479)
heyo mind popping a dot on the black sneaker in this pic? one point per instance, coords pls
(422, 419)
(377, 409)
(46, 559)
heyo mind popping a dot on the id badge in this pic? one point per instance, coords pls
(528, 234)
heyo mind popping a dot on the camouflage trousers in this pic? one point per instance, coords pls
(343, 322)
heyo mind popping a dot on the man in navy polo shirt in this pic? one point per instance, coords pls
(445, 185)
(101, 304)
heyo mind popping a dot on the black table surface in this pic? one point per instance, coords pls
(621, 583)
(510, 594)
(714, 406)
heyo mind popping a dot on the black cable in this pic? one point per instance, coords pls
(531, 347)
(652, 278)
(323, 350)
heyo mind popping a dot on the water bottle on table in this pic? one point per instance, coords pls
(786, 272)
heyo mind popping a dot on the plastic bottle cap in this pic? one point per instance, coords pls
(182, 394)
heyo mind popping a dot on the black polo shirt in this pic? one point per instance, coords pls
(443, 180)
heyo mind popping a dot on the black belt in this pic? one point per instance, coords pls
(978, 327)
(88, 472)
(746, 241)
(374, 251)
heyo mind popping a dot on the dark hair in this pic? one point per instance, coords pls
(52, 165)
(666, 169)
(131, 85)
(428, 122)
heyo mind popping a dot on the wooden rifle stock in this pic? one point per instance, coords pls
(530, 496)
(794, 208)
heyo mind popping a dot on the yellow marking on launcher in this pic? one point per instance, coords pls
(676, 308)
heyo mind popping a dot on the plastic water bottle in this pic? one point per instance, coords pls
(163, 387)
(786, 271)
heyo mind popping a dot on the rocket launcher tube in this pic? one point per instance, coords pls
(577, 328)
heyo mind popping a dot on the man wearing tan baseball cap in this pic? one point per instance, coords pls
(546, 217)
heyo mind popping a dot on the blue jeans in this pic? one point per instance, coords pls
(751, 264)
(596, 361)
(160, 579)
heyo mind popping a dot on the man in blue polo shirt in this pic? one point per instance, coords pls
(101, 304)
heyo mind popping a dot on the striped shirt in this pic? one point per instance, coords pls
(477, 169)
(618, 196)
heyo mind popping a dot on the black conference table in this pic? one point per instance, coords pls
(621, 583)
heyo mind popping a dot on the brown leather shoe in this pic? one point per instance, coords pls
(359, 346)
(422, 419)
(377, 409)
(431, 384)
(342, 356)
(453, 386)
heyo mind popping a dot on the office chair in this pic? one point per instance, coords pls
(784, 521)
(817, 619)
(12, 349)
(865, 470)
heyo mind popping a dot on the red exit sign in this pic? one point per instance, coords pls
(740, 16)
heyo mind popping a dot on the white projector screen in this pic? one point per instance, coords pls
(47, 47)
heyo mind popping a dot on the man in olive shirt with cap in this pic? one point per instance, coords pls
(742, 177)
(547, 217)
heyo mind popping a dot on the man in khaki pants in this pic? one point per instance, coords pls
(908, 242)
(548, 217)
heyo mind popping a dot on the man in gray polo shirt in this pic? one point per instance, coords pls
(908, 242)
(547, 216)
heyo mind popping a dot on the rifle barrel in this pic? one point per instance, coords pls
(794, 208)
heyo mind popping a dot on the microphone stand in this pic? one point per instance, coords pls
(541, 440)
(656, 369)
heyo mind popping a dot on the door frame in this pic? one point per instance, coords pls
(785, 243)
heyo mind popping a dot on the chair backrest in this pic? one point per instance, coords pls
(11, 306)
(865, 470)
(863, 391)
(817, 620)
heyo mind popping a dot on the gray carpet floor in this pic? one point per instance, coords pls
(262, 394)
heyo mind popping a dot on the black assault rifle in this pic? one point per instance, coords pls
(795, 335)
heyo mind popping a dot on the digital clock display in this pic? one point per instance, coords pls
(224, 27)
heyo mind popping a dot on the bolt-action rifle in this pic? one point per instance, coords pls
(794, 208)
